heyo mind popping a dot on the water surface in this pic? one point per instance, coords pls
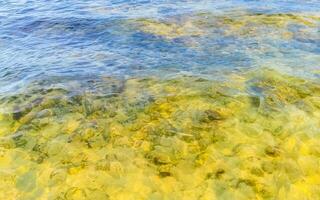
(159, 100)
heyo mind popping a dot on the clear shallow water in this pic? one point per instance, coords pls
(145, 100)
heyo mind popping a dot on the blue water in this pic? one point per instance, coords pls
(79, 40)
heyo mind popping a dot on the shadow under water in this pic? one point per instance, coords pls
(253, 135)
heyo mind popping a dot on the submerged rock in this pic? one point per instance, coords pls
(211, 115)
(168, 30)
(246, 137)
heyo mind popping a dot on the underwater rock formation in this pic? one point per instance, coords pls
(238, 24)
(254, 136)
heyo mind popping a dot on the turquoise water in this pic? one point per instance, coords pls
(159, 100)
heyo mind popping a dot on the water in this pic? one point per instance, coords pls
(159, 100)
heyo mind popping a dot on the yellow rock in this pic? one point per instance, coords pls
(71, 126)
(74, 170)
(75, 194)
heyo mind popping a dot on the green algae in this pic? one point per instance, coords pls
(254, 136)
(238, 24)
(169, 30)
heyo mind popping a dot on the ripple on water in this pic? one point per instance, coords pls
(159, 100)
